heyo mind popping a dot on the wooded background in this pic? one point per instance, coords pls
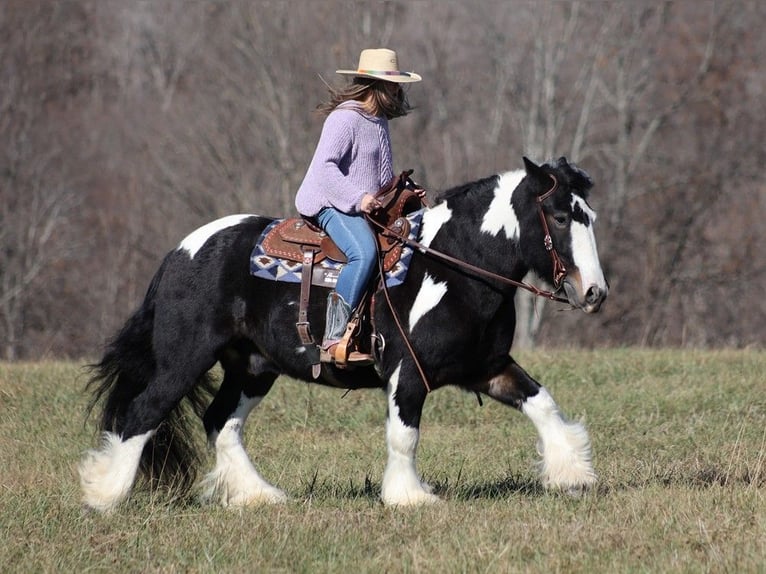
(125, 124)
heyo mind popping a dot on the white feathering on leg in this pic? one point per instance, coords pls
(564, 445)
(401, 484)
(107, 473)
(234, 481)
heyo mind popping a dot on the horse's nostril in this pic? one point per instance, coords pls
(593, 295)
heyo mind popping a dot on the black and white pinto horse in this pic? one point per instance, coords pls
(203, 307)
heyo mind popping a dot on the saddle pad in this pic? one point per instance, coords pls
(326, 271)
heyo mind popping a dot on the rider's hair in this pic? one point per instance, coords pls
(382, 102)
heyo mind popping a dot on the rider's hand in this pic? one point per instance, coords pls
(414, 187)
(369, 204)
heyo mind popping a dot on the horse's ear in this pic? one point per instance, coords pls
(563, 162)
(534, 171)
(531, 167)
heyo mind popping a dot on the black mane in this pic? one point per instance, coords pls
(570, 175)
(483, 185)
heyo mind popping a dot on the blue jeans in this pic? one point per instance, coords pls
(353, 236)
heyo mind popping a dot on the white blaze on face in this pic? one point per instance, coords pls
(433, 219)
(195, 240)
(500, 216)
(584, 251)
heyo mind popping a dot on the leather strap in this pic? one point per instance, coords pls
(559, 270)
(303, 325)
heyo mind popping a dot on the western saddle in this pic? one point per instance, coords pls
(301, 240)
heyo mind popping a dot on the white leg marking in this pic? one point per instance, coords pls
(401, 484)
(564, 445)
(107, 473)
(234, 480)
(196, 239)
(428, 297)
(433, 219)
(500, 215)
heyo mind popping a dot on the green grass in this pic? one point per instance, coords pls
(679, 444)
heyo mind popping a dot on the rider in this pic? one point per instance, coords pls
(352, 161)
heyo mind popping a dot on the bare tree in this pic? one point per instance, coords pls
(36, 197)
(130, 123)
(628, 85)
(552, 94)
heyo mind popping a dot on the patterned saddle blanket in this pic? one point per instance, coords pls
(278, 253)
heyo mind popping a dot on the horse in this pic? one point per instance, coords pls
(203, 307)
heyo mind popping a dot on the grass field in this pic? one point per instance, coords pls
(679, 444)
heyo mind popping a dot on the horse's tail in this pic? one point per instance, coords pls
(126, 369)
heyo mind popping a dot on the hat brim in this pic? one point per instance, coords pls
(397, 77)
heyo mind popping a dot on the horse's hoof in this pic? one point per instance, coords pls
(576, 491)
(421, 500)
(412, 498)
(274, 496)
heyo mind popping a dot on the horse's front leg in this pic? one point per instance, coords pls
(564, 445)
(401, 484)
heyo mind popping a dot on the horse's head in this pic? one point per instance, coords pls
(555, 198)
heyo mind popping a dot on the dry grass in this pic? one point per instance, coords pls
(679, 441)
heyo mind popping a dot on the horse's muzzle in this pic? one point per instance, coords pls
(594, 297)
(590, 302)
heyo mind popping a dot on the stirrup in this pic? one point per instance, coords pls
(341, 350)
(342, 353)
(334, 355)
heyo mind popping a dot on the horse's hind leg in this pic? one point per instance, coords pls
(564, 445)
(234, 480)
(107, 474)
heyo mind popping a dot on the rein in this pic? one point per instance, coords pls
(559, 271)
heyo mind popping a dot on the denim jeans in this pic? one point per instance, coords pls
(353, 236)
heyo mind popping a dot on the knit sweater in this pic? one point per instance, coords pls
(353, 157)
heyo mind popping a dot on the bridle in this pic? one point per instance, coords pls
(559, 270)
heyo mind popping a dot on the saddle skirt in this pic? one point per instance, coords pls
(278, 253)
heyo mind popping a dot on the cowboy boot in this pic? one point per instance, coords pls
(338, 335)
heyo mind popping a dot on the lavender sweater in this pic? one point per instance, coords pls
(353, 157)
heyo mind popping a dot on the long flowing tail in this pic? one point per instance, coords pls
(126, 369)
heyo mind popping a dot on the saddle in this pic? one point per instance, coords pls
(301, 240)
(294, 237)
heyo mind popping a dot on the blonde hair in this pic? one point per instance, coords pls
(381, 101)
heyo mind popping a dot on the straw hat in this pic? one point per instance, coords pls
(382, 64)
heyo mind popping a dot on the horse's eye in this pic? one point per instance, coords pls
(561, 219)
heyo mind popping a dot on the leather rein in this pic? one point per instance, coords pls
(559, 271)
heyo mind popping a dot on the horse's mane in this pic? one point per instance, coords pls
(567, 172)
(482, 185)
(575, 178)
